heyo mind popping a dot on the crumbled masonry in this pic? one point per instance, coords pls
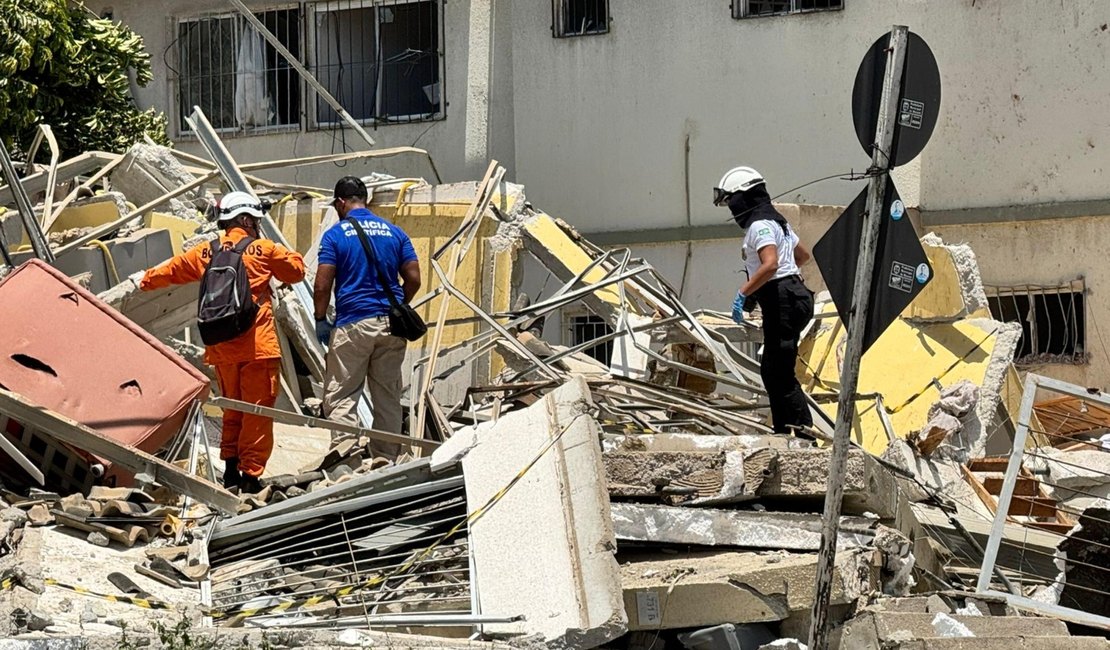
(544, 493)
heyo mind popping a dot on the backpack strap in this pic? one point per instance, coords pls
(241, 247)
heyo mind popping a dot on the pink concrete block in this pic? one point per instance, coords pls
(61, 348)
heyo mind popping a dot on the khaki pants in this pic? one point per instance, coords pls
(362, 353)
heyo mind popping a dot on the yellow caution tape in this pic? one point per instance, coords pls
(238, 615)
(146, 603)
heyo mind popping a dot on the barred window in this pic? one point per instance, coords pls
(1052, 321)
(588, 327)
(381, 59)
(579, 17)
(756, 8)
(236, 77)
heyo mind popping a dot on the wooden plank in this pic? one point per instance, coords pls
(1051, 526)
(986, 497)
(1033, 507)
(1024, 487)
(71, 432)
(988, 464)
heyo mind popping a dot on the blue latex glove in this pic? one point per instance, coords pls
(323, 331)
(738, 308)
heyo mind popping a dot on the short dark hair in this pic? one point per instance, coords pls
(351, 187)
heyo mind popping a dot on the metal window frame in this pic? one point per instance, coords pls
(1013, 468)
(1032, 291)
(180, 130)
(558, 22)
(570, 319)
(311, 113)
(741, 11)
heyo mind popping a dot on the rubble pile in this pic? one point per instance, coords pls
(543, 493)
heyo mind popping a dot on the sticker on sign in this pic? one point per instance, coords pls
(647, 608)
(912, 114)
(902, 276)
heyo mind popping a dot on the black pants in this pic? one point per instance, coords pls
(787, 307)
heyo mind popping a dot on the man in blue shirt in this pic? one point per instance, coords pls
(361, 349)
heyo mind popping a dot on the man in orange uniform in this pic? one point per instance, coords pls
(247, 366)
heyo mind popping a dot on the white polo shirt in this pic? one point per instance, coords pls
(766, 232)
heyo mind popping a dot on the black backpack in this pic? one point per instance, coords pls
(226, 308)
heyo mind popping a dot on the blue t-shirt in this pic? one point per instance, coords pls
(358, 292)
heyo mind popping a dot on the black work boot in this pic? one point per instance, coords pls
(249, 485)
(231, 473)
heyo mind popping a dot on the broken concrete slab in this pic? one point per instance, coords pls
(162, 312)
(149, 172)
(704, 589)
(958, 293)
(742, 528)
(767, 474)
(696, 442)
(800, 474)
(675, 477)
(552, 530)
(1078, 478)
(873, 629)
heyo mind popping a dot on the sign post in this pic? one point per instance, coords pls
(882, 161)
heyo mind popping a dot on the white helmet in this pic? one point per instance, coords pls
(737, 179)
(233, 204)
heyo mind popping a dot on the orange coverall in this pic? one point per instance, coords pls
(247, 366)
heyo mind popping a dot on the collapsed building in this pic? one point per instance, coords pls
(541, 495)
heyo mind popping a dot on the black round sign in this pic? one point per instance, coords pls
(918, 107)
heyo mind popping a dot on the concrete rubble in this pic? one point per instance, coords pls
(543, 494)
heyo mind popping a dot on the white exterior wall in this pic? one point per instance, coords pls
(601, 121)
(446, 139)
(610, 132)
(597, 126)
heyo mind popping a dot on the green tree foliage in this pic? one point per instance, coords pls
(60, 65)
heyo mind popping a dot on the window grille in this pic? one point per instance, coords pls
(579, 17)
(586, 328)
(1052, 320)
(382, 60)
(379, 59)
(757, 8)
(236, 77)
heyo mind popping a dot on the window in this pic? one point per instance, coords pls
(1052, 320)
(587, 328)
(236, 77)
(381, 59)
(756, 8)
(579, 17)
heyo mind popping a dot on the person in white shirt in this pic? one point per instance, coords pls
(772, 254)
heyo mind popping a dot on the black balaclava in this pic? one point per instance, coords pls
(754, 205)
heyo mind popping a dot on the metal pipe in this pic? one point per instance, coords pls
(415, 620)
(882, 159)
(304, 72)
(26, 210)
